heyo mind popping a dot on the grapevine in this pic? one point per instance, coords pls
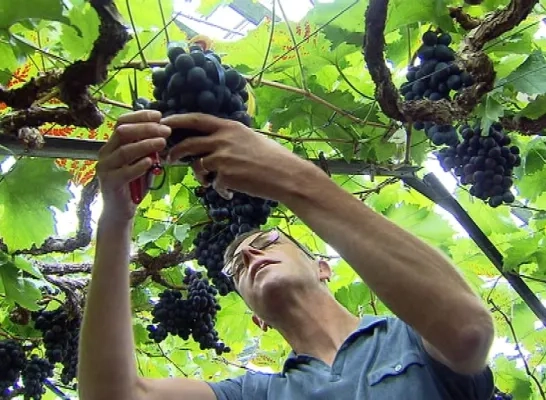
(193, 316)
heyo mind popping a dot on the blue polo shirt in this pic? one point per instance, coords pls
(383, 359)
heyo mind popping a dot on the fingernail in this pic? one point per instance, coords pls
(164, 130)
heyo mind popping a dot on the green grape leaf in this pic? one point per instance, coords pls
(353, 296)
(402, 13)
(535, 108)
(26, 194)
(532, 185)
(520, 252)
(23, 291)
(535, 157)
(512, 380)
(27, 266)
(13, 12)
(530, 77)
(78, 39)
(490, 111)
(181, 232)
(151, 235)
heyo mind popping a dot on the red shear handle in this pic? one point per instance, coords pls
(140, 185)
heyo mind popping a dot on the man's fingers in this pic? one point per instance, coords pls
(221, 189)
(193, 146)
(131, 172)
(130, 153)
(201, 172)
(139, 116)
(200, 122)
(129, 133)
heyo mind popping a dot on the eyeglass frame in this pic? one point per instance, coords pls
(229, 263)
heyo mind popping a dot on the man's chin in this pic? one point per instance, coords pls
(272, 287)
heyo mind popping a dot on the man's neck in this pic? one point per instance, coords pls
(316, 325)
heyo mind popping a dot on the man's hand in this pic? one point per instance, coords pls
(241, 159)
(125, 158)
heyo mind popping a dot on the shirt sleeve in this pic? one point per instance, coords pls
(229, 389)
(457, 386)
(251, 385)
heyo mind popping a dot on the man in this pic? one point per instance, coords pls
(436, 349)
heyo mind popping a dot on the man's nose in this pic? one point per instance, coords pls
(249, 253)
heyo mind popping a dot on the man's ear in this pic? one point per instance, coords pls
(260, 323)
(325, 271)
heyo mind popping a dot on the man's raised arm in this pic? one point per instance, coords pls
(107, 367)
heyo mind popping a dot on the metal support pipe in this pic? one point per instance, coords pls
(84, 149)
(432, 188)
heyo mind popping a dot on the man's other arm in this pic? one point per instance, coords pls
(107, 367)
(420, 285)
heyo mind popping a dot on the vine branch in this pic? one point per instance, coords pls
(72, 84)
(24, 96)
(149, 267)
(466, 21)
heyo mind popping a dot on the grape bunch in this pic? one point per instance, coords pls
(12, 362)
(485, 162)
(498, 395)
(193, 316)
(61, 334)
(435, 78)
(36, 371)
(197, 81)
(231, 218)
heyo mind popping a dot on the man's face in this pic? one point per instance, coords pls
(267, 266)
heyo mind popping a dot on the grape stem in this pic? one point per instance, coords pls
(296, 47)
(270, 42)
(105, 100)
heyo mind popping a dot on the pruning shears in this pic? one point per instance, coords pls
(142, 184)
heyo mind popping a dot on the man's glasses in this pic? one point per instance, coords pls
(235, 264)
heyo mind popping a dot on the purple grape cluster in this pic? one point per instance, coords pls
(485, 162)
(193, 316)
(435, 78)
(61, 333)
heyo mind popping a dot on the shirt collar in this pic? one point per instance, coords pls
(367, 324)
